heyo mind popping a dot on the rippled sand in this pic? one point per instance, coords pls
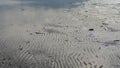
(86, 36)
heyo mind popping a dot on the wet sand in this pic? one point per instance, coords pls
(86, 36)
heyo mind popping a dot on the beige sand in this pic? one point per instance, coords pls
(87, 36)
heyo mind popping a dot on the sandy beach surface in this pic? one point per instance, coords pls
(85, 34)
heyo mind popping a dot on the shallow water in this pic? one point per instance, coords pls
(63, 36)
(43, 3)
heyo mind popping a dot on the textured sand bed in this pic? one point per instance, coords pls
(87, 36)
